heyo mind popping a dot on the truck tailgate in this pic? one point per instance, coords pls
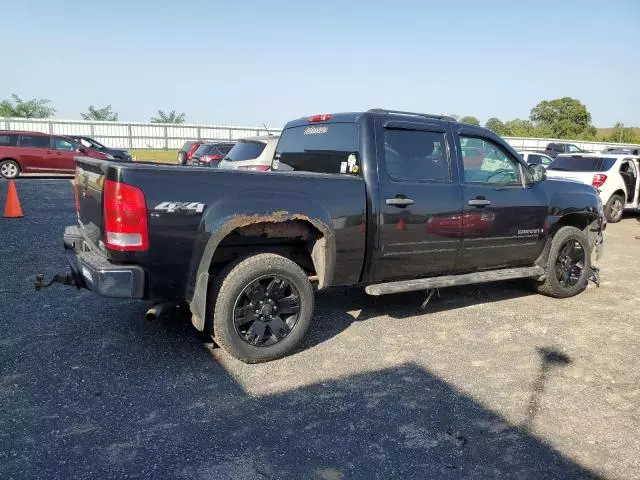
(89, 185)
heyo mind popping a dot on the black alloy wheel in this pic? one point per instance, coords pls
(266, 311)
(570, 264)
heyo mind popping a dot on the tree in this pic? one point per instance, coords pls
(470, 120)
(520, 128)
(496, 126)
(171, 117)
(34, 108)
(563, 117)
(100, 114)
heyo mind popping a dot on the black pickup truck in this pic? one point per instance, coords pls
(555, 149)
(392, 201)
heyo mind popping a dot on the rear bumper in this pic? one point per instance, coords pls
(96, 273)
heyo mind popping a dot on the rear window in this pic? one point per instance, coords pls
(224, 149)
(8, 140)
(245, 150)
(186, 147)
(320, 148)
(204, 149)
(582, 164)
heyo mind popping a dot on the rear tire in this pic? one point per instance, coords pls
(237, 295)
(614, 209)
(9, 169)
(566, 277)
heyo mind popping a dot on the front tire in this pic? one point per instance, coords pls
(9, 169)
(614, 209)
(260, 307)
(568, 264)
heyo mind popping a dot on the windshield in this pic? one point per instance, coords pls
(89, 142)
(582, 164)
(245, 150)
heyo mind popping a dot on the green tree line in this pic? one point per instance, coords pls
(564, 118)
(15, 106)
(560, 118)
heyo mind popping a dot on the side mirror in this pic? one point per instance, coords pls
(81, 149)
(537, 173)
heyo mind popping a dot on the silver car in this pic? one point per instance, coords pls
(251, 153)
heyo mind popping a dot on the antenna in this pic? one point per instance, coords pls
(265, 127)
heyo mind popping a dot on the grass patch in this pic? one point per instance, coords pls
(161, 156)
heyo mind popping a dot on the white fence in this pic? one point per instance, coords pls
(133, 135)
(161, 136)
(524, 143)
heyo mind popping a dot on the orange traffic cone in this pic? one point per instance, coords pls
(12, 208)
(401, 226)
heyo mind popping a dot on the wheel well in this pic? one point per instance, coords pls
(622, 193)
(13, 160)
(577, 220)
(298, 240)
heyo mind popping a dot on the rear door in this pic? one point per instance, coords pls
(504, 216)
(64, 152)
(36, 154)
(420, 222)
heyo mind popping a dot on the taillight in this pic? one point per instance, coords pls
(125, 217)
(208, 158)
(192, 150)
(598, 180)
(259, 168)
(320, 118)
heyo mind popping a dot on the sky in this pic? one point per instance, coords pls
(250, 62)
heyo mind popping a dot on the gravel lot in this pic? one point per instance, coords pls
(488, 382)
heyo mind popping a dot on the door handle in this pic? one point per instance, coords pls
(399, 202)
(479, 202)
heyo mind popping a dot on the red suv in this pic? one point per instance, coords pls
(35, 152)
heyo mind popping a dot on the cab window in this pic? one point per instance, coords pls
(64, 145)
(487, 162)
(416, 155)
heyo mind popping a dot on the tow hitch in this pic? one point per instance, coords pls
(63, 279)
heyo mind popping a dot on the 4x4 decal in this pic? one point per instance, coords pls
(175, 207)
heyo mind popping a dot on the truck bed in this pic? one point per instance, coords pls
(187, 205)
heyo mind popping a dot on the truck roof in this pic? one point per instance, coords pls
(351, 117)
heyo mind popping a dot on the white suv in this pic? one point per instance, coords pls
(251, 153)
(616, 177)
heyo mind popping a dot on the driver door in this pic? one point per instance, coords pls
(503, 215)
(64, 153)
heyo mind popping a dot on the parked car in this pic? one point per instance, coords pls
(209, 154)
(353, 207)
(623, 150)
(535, 158)
(555, 149)
(35, 152)
(253, 153)
(187, 150)
(116, 153)
(615, 176)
